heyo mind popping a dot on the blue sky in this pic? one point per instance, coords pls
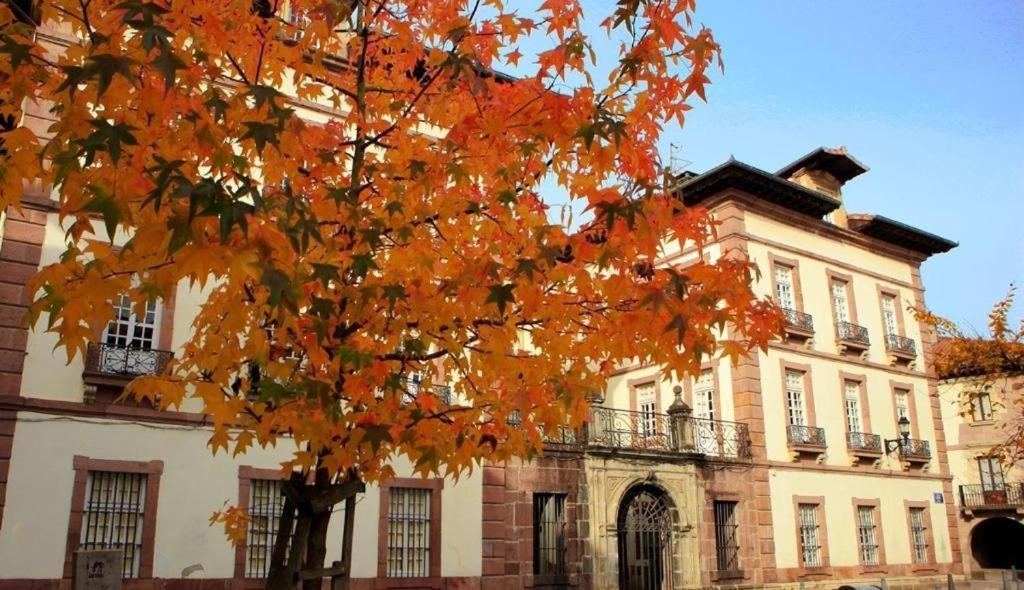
(929, 95)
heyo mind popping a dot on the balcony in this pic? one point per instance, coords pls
(852, 337)
(442, 392)
(797, 324)
(655, 432)
(864, 445)
(806, 440)
(124, 363)
(979, 497)
(913, 450)
(900, 348)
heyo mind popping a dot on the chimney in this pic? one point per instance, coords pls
(825, 170)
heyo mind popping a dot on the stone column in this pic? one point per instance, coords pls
(680, 423)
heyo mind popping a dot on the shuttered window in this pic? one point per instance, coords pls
(867, 536)
(810, 535)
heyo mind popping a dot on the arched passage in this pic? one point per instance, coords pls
(644, 527)
(998, 543)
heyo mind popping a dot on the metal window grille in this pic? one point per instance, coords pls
(549, 534)
(839, 304)
(795, 398)
(265, 507)
(981, 407)
(727, 546)
(113, 515)
(866, 535)
(917, 532)
(409, 533)
(784, 286)
(810, 539)
(853, 423)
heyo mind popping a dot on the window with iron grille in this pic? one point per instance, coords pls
(112, 516)
(981, 407)
(810, 535)
(549, 534)
(408, 533)
(727, 548)
(866, 535)
(917, 535)
(265, 507)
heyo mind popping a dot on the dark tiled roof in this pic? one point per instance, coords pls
(835, 161)
(764, 185)
(900, 234)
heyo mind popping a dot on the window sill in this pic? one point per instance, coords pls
(981, 423)
(823, 570)
(727, 575)
(431, 582)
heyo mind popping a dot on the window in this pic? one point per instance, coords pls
(265, 507)
(408, 549)
(810, 535)
(128, 330)
(839, 301)
(851, 394)
(112, 517)
(704, 395)
(784, 287)
(647, 402)
(795, 398)
(549, 534)
(917, 535)
(991, 472)
(867, 535)
(981, 406)
(727, 546)
(889, 315)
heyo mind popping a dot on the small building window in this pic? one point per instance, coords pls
(991, 472)
(851, 395)
(981, 406)
(128, 330)
(795, 398)
(408, 533)
(810, 535)
(918, 535)
(727, 548)
(265, 507)
(784, 292)
(112, 517)
(647, 403)
(549, 534)
(867, 535)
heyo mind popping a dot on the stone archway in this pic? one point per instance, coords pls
(644, 527)
(998, 543)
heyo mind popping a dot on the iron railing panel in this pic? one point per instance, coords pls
(850, 332)
(810, 436)
(998, 496)
(126, 361)
(797, 319)
(902, 344)
(863, 441)
(913, 448)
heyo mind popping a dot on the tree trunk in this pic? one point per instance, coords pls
(316, 545)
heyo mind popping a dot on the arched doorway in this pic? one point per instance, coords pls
(998, 543)
(645, 539)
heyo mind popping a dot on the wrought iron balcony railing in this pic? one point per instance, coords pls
(443, 392)
(849, 332)
(912, 448)
(993, 497)
(807, 436)
(797, 320)
(900, 344)
(718, 438)
(624, 429)
(863, 442)
(125, 361)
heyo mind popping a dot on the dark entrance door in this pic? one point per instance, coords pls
(645, 535)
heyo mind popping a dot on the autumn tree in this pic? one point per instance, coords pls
(984, 362)
(402, 234)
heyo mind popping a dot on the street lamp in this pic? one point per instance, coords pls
(893, 445)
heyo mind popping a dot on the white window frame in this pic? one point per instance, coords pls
(889, 320)
(109, 520)
(810, 535)
(840, 300)
(408, 531)
(867, 534)
(785, 293)
(851, 398)
(796, 412)
(125, 316)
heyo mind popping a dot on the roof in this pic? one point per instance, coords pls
(835, 161)
(900, 234)
(764, 185)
